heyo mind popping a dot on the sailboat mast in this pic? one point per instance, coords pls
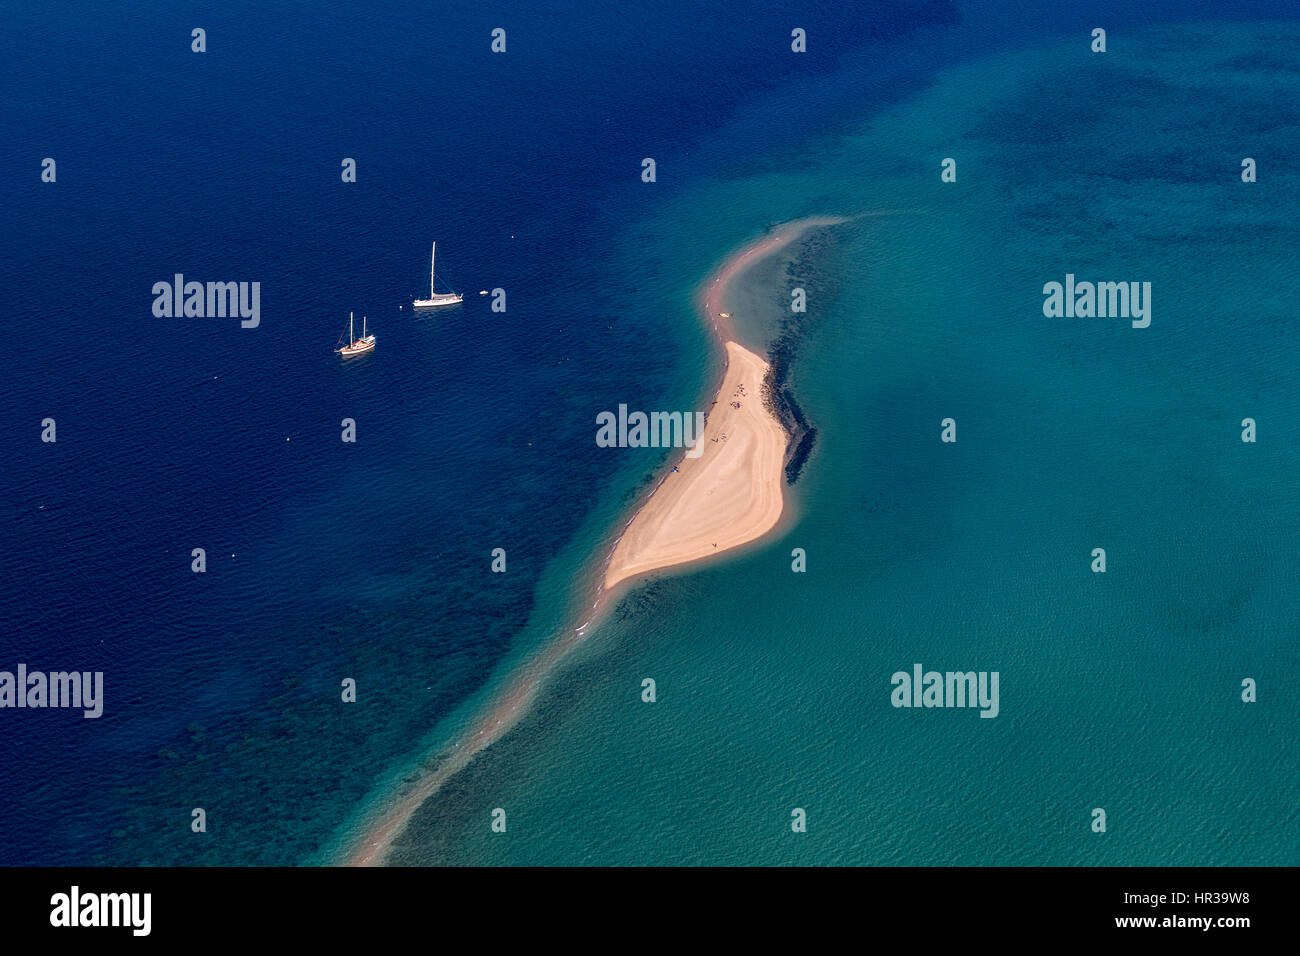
(432, 252)
(351, 338)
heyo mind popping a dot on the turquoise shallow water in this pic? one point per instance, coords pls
(1118, 691)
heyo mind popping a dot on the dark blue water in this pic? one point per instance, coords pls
(329, 560)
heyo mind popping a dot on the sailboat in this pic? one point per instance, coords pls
(435, 299)
(356, 346)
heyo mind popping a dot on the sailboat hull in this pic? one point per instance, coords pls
(437, 300)
(359, 346)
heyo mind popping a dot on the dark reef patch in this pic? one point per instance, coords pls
(779, 400)
(778, 395)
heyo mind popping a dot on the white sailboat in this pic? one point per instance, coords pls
(356, 346)
(435, 300)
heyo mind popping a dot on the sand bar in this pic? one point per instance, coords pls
(731, 494)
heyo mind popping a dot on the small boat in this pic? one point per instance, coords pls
(725, 315)
(435, 300)
(482, 291)
(356, 346)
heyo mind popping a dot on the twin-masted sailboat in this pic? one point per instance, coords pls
(356, 346)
